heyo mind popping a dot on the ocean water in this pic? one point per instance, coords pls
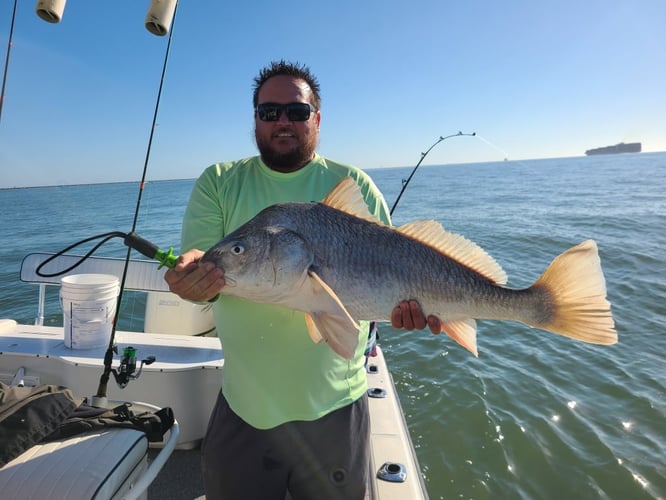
(536, 415)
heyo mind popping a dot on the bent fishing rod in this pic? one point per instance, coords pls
(405, 182)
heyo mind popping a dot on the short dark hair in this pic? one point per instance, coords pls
(296, 70)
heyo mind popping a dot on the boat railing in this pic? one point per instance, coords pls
(157, 463)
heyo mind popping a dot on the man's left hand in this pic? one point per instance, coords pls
(408, 315)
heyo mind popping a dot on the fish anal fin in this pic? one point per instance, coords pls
(462, 331)
(347, 197)
(456, 247)
(327, 318)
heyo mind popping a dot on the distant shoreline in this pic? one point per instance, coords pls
(644, 153)
(95, 184)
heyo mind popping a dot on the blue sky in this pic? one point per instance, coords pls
(532, 79)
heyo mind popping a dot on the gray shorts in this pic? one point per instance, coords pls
(326, 458)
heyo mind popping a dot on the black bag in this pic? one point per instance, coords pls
(29, 414)
(87, 418)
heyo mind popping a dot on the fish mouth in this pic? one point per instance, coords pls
(212, 258)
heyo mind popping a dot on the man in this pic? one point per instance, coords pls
(292, 415)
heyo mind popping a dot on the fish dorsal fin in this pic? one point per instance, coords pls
(346, 196)
(456, 247)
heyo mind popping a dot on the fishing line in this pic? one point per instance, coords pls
(405, 182)
(505, 155)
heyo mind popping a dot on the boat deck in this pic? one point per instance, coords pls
(184, 363)
(180, 478)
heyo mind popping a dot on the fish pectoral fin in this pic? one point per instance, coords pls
(462, 331)
(340, 334)
(328, 319)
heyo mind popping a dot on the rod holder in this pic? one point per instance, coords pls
(160, 15)
(50, 10)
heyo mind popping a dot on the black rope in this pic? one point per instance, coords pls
(105, 237)
(132, 240)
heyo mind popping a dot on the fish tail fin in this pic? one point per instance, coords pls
(576, 289)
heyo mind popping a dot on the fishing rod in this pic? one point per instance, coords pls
(405, 182)
(159, 20)
(127, 369)
(9, 50)
(161, 10)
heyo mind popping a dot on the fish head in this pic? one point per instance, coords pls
(262, 263)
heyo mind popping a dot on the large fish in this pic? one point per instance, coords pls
(338, 264)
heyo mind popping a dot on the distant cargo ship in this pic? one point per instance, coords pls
(629, 147)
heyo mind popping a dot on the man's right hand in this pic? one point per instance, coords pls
(192, 281)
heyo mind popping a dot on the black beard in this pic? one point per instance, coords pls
(285, 162)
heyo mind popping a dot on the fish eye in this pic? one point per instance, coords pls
(237, 249)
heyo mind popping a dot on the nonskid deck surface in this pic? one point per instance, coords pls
(180, 478)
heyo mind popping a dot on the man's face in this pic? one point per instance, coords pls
(286, 145)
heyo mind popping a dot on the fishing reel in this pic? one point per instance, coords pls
(127, 370)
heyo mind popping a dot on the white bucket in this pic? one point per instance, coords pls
(89, 306)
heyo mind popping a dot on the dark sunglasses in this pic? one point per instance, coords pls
(296, 111)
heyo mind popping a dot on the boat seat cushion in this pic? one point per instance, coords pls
(94, 465)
